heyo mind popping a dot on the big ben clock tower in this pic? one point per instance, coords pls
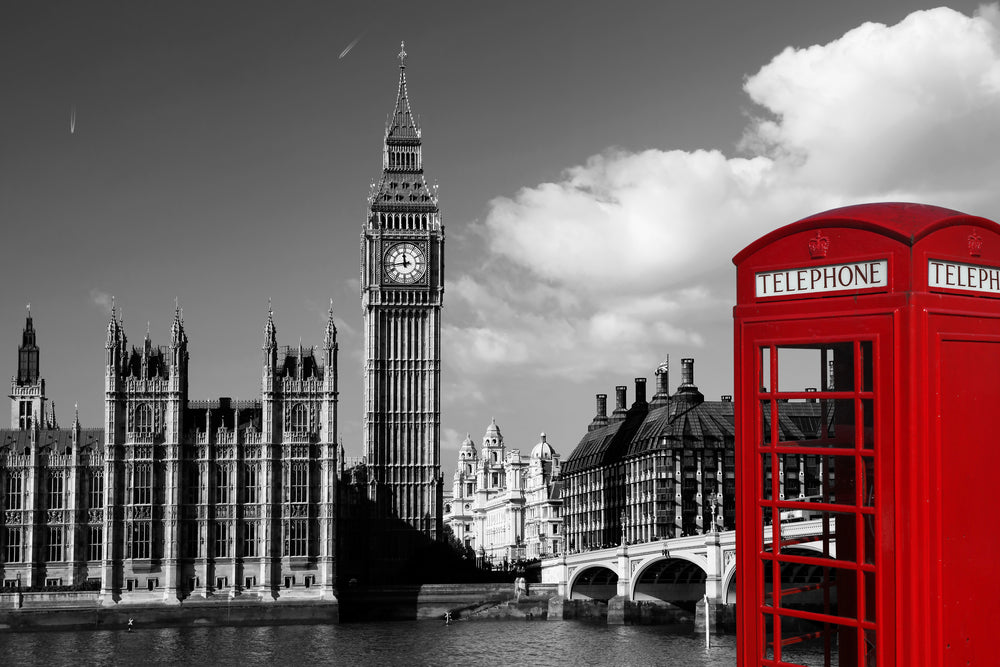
(402, 283)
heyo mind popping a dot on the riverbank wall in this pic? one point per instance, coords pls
(427, 602)
(84, 611)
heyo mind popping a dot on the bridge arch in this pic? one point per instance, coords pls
(678, 579)
(729, 584)
(594, 582)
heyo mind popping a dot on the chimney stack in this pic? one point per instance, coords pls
(620, 409)
(640, 390)
(687, 372)
(662, 395)
(601, 418)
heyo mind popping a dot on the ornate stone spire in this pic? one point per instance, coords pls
(330, 340)
(270, 337)
(114, 328)
(402, 124)
(177, 334)
(27, 354)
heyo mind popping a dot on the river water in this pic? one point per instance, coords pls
(402, 643)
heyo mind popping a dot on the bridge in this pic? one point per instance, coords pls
(676, 570)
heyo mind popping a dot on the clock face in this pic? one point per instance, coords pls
(405, 263)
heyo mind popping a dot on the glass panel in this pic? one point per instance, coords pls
(801, 422)
(811, 643)
(835, 537)
(868, 484)
(869, 596)
(823, 367)
(764, 429)
(871, 657)
(810, 478)
(867, 365)
(766, 477)
(767, 626)
(868, 419)
(765, 369)
(818, 589)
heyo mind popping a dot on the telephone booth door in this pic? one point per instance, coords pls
(817, 409)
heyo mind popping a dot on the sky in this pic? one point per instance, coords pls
(599, 165)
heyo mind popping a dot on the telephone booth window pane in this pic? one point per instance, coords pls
(826, 367)
(870, 597)
(867, 366)
(868, 485)
(828, 479)
(841, 527)
(765, 369)
(868, 419)
(764, 430)
(830, 591)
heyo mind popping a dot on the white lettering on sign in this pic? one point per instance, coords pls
(818, 279)
(971, 277)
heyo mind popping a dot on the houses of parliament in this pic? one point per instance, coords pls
(176, 497)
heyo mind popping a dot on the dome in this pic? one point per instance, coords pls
(543, 450)
(493, 436)
(468, 448)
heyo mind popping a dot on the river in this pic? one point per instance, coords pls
(402, 643)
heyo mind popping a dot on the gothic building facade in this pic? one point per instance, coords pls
(505, 506)
(402, 285)
(175, 497)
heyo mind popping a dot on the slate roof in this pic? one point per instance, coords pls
(606, 444)
(57, 440)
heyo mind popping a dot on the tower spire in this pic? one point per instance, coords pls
(270, 338)
(331, 329)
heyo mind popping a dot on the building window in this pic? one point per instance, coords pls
(55, 544)
(55, 481)
(298, 537)
(298, 485)
(14, 491)
(221, 484)
(13, 545)
(97, 489)
(142, 484)
(96, 546)
(250, 539)
(140, 544)
(143, 419)
(300, 418)
(24, 415)
(250, 480)
(222, 540)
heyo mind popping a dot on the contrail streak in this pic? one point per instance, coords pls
(72, 119)
(350, 46)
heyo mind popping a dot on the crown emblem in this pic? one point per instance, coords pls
(975, 244)
(819, 246)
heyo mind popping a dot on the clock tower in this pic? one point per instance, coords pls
(402, 284)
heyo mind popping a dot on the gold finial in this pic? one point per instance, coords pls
(402, 55)
(29, 310)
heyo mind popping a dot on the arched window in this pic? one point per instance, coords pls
(300, 418)
(143, 419)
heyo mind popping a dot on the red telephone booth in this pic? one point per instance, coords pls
(867, 344)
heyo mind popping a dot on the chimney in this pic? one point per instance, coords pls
(620, 409)
(687, 389)
(640, 390)
(601, 418)
(687, 372)
(662, 395)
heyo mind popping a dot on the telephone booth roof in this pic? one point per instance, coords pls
(881, 245)
(901, 221)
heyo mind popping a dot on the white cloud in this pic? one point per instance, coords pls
(629, 254)
(103, 300)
